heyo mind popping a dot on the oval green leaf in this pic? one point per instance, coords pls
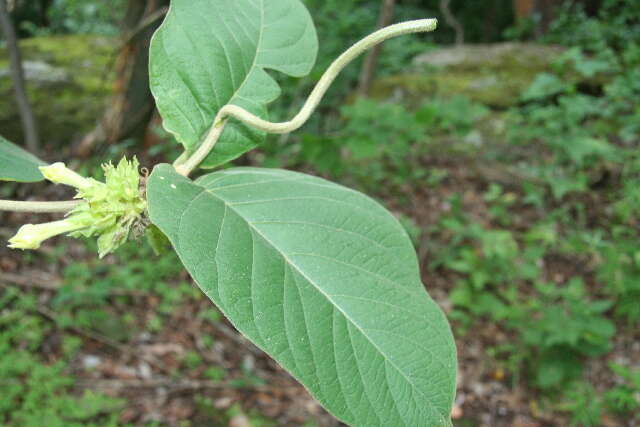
(324, 280)
(209, 53)
(17, 164)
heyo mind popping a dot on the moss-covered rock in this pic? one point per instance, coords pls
(69, 79)
(494, 75)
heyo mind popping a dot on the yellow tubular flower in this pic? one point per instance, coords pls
(58, 173)
(30, 236)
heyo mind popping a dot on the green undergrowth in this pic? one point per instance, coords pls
(46, 336)
(37, 382)
(548, 249)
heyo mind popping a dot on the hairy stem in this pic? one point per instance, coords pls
(185, 168)
(38, 207)
(181, 159)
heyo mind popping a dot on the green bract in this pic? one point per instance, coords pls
(112, 208)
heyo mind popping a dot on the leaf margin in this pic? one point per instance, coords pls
(445, 421)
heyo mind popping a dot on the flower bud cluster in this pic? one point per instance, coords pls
(111, 209)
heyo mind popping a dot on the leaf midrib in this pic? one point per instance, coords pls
(290, 262)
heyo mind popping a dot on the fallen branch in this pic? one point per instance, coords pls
(174, 385)
(30, 281)
(154, 383)
(53, 283)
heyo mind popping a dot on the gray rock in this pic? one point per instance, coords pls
(487, 54)
(495, 75)
(40, 72)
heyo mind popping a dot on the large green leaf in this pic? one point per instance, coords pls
(17, 164)
(209, 53)
(324, 280)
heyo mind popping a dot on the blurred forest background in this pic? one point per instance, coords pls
(507, 142)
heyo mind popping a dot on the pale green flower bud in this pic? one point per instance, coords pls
(58, 173)
(30, 236)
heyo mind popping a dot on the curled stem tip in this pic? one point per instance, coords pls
(318, 92)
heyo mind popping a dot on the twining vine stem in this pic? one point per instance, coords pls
(185, 167)
(186, 164)
(38, 207)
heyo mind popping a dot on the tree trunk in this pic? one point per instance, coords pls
(452, 21)
(132, 106)
(489, 21)
(44, 12)
(524, 8)
(368, 71)
(17, 76)
(545, 9)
